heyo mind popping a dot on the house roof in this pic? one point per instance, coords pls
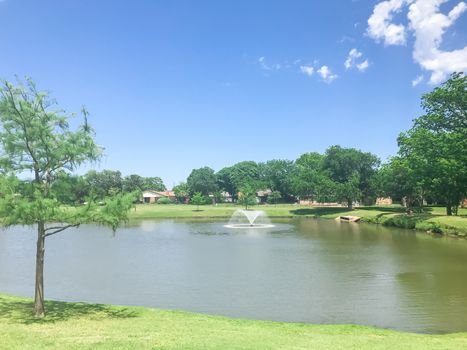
(264, 193)
(167, 193)
(151, 193)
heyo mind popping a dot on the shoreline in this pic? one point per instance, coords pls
(392, 216)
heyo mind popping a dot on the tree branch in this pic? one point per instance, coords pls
(58, 229)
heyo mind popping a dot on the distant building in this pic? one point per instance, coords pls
(384, 201)
(319, 204)
(225, 197)
(262, 196)
(150, 196)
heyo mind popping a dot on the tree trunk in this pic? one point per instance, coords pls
(448, 209)
(349, 204)
(408, 202)
(39, 309)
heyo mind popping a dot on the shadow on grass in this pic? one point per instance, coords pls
(20, 311)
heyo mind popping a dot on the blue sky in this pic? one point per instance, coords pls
(176, 85)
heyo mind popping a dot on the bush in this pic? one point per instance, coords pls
(163, 200)
(436, 228)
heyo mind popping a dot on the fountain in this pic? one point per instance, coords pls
(249, 219)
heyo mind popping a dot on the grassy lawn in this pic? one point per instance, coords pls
(91, 326)
(432, 218)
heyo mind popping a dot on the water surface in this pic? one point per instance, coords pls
(303, 270)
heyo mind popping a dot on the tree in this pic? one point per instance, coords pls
(400, 180)
(153, 183)
(225, 183)
(352, 172)
(243, 174)
(181, 192)
(70, 189)
(247, 196)
(274, 197)
(202, 180)
(218, 197)
(198, 199)
(133, 183)
(36, 139)
(277, 175)
(310, 180)
(437, 142)
(104, 183)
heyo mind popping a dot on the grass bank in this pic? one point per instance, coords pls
(432, 219)
(92, 326)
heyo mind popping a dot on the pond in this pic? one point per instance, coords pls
(302, 270)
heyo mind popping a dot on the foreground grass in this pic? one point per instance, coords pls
(432, 219)
(91, 326)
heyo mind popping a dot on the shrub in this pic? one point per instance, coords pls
(163, 200)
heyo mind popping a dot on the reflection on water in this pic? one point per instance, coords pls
(303, 270)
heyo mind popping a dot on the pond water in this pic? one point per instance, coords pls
(302, 270)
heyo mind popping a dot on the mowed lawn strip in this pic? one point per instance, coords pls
(94, 326)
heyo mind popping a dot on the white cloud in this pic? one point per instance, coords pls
(308, 70)
(380, 26)
(352, 61)
(363, 66)
(264, 65)
(428, 25)
(417, 80)
(327, 74)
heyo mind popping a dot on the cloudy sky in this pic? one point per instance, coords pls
(175, 85)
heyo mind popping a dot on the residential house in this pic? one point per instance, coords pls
(151, 196)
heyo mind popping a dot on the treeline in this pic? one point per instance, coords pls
(340, 175)
(431, 165)
(75, 189)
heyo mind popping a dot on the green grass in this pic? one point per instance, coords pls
(432, 219)
(91, 326)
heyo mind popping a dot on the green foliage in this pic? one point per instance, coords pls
(218, 197)
(35, 138)
(69, 189)
(310, 180)
(198, 199)
(400, 179)
(115, 210)
(352, 171)
(243, 174)
(163, 200)
(436, 146)
(153, 183)
(133, 183)
(247, 196)
(277, 175)
(274, 197)
(104, 183)
(202, 180)
(139, 183)
(181, 192)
